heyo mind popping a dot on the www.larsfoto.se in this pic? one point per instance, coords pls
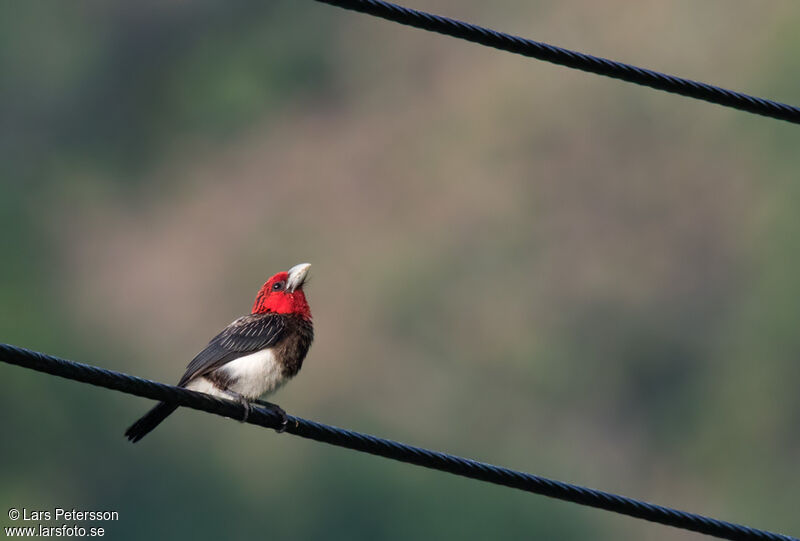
(64, 530)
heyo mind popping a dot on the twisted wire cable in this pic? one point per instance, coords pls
(571, 59)
(366, 443)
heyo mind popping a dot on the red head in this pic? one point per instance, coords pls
(283, 293)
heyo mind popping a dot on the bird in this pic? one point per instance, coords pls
(254, 355)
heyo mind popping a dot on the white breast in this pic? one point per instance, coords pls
(255, 374)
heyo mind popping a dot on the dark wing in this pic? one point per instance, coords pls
(246, 335)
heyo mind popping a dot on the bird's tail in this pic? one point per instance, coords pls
(149, 421)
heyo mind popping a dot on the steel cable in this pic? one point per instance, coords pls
(366, 443)
(571, 59)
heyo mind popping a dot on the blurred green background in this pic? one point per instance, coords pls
(513, 261)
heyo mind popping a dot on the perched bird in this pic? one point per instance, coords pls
(252, 356)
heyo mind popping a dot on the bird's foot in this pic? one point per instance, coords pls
(247, 408)
(278, 411)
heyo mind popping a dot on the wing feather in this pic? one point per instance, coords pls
(246, 335)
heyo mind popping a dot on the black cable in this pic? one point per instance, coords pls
(571, 59)
(349, 439)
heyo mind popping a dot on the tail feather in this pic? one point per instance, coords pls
(149, 421)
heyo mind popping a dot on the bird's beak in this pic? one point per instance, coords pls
(297, 276)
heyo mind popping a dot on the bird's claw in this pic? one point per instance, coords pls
(284, 423)
(278, 411)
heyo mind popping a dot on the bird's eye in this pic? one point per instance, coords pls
(277, 286)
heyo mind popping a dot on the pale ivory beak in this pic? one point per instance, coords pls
(297, 275)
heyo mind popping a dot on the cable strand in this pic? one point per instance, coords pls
(571, 59)
(374, 445)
